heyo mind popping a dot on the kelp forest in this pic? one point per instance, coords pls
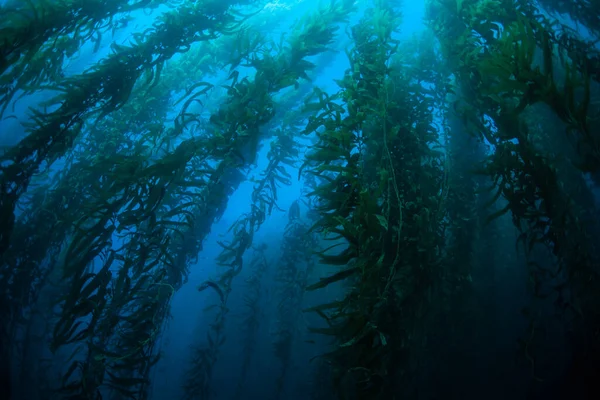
(299, 199)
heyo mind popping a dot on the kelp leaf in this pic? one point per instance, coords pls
(382, 221)
(323, 282)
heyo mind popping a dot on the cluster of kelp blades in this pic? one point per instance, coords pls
(407, 212)
(105, 202)
(131, 193)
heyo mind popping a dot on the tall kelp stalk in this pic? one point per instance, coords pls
(113, 323)
(237, 128)
(25, 271)
(382, 190)
(38, 37)
(136, 180)
(235, 131)
(126, 312)
(132, 131)
(253, 299)
(505, 65)
(101, 90)
(293, 269)
(138, 126)
(8, 269)
(264, 199)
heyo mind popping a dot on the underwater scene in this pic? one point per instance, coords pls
(299, 199)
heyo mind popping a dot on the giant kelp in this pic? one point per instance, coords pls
(295, 266)
(253, 301)
(382, 191)
(504, 66)
(123, 182)
(138, 230)
(101, 90)
(38, 38)
(235, 127)
(231, 258)
(415, 168)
